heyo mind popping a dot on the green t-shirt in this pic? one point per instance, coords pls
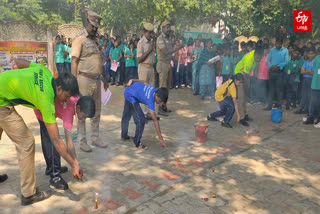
(299, 65)
(135, 57)
(129, 61)
(123, 48)
(246, 64)
(58, 53)
(68, 57)
(226, 65)
(115, 54)
(31, 87)
(315, 85)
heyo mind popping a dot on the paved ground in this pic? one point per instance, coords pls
(274, 170)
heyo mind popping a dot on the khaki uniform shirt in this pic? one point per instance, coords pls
(143, 47)
(163, 42)
(88, 52)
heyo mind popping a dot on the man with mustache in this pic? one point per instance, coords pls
(87, 67)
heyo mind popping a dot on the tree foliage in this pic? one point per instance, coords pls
(243, 17)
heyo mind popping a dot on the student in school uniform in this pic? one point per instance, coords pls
(115, 56)
(314, 109)
(226, 60)
(307, 71)
(130, 55)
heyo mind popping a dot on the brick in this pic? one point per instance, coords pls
(218, 151)
(152, 185)
(168, 175)
(132, 193)
(207, 157)
(111, 204)
(195, 162)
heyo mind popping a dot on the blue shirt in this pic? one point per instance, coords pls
(278, 57)
(308, 65)
(141, 93)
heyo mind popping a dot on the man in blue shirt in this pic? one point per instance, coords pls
(278, 58)
(139, 92)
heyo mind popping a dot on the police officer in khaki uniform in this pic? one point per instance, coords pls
(146, 58)
(164, 53)
(87, 66)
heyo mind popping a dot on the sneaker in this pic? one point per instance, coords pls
(63, 169)
(244, 122)
(142, 147)
(247, 118)
(211, 118)
(227, 125)
(304, 119)
(288, 107)
(99, 143)
(38, 196)
(176, 87)
(317, 125)
(126, 138)
(162, 112)
(59, 183)
(85, 147)
(148, 117)
(308, 121)
(3, 178)
(300, 111)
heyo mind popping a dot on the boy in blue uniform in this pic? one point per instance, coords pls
(138, 92)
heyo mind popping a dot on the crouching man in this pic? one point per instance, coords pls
(83, 108)
(138, 92)
(226, 96)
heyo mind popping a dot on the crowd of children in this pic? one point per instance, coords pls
(283, 74)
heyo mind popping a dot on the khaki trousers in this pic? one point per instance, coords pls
(165, 74)
(14, 126)
(90, 87)
(243, 95)
(146, 74)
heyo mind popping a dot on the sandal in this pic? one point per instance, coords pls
(142, 147)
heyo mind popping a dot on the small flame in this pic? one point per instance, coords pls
(247, 133)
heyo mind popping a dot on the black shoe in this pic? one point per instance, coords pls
(227, 125)
(211, 118)
(308, 121)
(244, 122)
(195, 93)
(202, 97)
(59, 183)
(300, 111)
(38, 196)
(142, 147)
(3, 178)
(288, 107)
(166, 110)
(247, 118)
(126, 138)
(268, 108)
(63, 169)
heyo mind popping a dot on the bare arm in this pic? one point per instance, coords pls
(170, 51)
(74, 65)
(21, 63)
(235, 102)
(142, 58)
(157, 127)
(62, 150)
(70, 147)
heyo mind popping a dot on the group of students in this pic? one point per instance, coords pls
(62, 53)
(276, 74)
(120, 58)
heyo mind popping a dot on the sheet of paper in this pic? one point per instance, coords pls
(114, 66)
(105, 95)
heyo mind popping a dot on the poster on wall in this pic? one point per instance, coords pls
(31, 51)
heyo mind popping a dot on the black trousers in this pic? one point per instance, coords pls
(52, 157)
(276, 84)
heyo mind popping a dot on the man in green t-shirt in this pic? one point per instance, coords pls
(245, 66)
(32, 85)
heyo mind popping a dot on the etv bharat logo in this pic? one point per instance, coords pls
(302, 20)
